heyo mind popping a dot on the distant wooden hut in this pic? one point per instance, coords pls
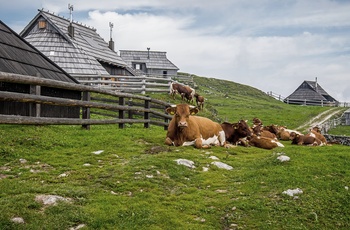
(19, 57)
(75, 47)
(149, 62)
(310, 92)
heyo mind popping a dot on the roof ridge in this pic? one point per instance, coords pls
(67, 19)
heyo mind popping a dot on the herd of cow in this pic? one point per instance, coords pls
(186, 129)
(187, 93)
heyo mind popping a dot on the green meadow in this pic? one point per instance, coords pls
(136, 183)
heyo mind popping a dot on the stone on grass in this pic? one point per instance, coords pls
(51, 199)
(18, 220)
(222, 165)
(98, 152)
(292, 192)
(185, 162)
(283, 158)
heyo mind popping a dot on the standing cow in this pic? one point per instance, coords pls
(185, 91)
(199, 101)
(185, 129)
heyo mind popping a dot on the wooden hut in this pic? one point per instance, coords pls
(310, 93)
(76, 48)
(19, 57)
(149, 62)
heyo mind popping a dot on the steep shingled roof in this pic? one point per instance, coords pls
(156, 60)
(19, 57)
(311, 90)
(80, 54)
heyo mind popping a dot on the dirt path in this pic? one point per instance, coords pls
(320, 118)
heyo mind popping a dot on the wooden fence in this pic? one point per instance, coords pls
(128, 84)
(120, 108)
(307, 102)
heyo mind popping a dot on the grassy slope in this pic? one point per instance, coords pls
(135, 183)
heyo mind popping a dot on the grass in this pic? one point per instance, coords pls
(136, 184)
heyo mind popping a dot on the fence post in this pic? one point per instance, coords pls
(166, 120)
(121, 112)
(146, 114)
(35, 108)
(143, 90)
(85, 110)
(130, 104)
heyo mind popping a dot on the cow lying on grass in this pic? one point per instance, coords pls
(316, 132)
(264, 142)
(185, 129)
(236, 132)
(300, 139)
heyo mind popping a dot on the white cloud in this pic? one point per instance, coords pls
(270, 45)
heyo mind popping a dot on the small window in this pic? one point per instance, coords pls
(137, 66)
(42, 24)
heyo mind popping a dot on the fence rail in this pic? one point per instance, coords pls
(123, 107)
(307, 102)
(128, 84)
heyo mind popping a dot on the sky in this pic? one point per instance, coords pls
(271, 45)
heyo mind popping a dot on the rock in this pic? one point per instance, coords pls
(222, 165)
(18, 220)
(22, 161)
(214, 158)
(185, 162)
(51, 199)
(77, 227)
(292, 192)
(98, 152)
(283, 158)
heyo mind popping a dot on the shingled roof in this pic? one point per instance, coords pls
(311, 91)
(152, 59)
(19, 57)
(81, 54)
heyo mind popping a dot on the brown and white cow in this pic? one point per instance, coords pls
(263, 132)
(199, 101)
(183, 90)
(283, 134)
(234, 132)
(186, 129)
(316, 131)
(257, 121)
(300, 139)
(264, 142)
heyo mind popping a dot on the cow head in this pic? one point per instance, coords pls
(181, 113)
(294, 137)
(243, 129)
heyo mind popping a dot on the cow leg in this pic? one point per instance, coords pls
(222, 138)
(168, 141)
(198, 144)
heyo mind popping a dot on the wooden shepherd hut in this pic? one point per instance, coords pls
(310, 93)
(75, 47)
(149, 62)
(17, 56)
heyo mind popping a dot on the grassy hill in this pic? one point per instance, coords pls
(135, 183)
(230, 101)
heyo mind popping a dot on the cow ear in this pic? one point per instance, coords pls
(171, 110)
(193, 110)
